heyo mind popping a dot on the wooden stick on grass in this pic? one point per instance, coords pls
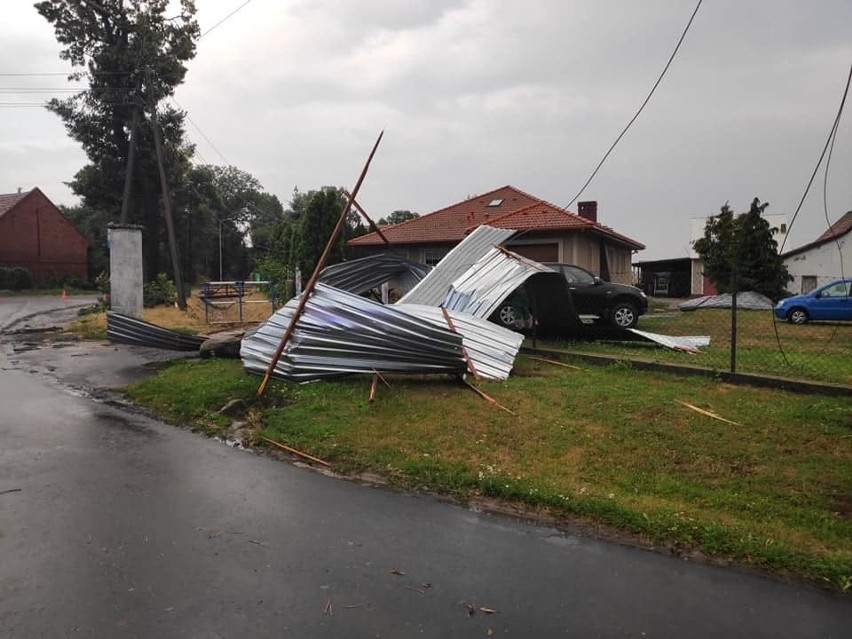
(487, 398)
(296, 452)
(373, 385)
(553, 361)
(708, 413)
(384, 381)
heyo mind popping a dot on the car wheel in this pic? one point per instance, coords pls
(507, 316)
(623, 315)
(797, 316)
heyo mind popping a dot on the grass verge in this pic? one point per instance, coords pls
(608, 444)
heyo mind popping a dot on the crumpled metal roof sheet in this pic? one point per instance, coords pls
(361, 275)
(433, 288)
(491, 348)
(689, 343)
(341, 333)
(124, 329)
(344, 333)
(748, 300)
(485, 285)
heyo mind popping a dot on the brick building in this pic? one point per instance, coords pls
(36, 235)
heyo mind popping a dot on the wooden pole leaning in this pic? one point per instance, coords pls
(309, 287)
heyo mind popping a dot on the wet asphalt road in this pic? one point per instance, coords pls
(29, 312)
(125, 527)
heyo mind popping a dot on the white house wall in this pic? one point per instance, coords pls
(824, 262)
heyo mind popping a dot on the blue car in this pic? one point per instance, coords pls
(829, 302)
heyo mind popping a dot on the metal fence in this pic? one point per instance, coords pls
(741, 340)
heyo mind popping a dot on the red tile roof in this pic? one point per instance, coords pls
(449, 224)
(9, 200)
(543, 216)
(516, 210)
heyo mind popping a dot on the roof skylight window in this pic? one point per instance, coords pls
(495, 202)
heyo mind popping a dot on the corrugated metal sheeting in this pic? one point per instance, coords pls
(341, 333)
(492, 348)
(361, 275)
(129, 330)
(484, 286)
(432, 289)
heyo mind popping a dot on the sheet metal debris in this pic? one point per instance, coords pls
(492, 348)
(343, 333)
(129, 330)
(748, 300)
(361, 275)
(433, 288)
(486, 284)
(679, 343)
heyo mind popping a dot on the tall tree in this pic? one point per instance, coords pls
(743, 248)
(318, 222)
(133, 56)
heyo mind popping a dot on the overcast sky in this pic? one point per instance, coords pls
(477, 94)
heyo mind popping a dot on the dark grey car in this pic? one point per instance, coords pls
(617, 304)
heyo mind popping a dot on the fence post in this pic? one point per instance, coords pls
(734, 286)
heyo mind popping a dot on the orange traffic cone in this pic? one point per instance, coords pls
(64, 294)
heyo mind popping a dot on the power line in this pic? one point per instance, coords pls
(61, 73)
(828, 141)
(827, 147)
(647, 99)
(223, 19)
(198, 128)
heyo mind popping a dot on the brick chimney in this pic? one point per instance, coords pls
(588, 210)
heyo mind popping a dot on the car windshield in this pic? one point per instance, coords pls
(576, 275)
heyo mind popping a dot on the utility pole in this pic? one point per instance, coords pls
(131, 156)
(167, 204)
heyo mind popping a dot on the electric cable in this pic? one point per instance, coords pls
(641, 108)
(828, 147)
(223, 19)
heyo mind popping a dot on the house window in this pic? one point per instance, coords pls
(809, 283)
(495, 202)
(432, 256)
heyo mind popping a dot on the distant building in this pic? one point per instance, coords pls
(827, 258)
(36, 235)
(684, 276)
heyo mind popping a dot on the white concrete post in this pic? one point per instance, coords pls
(125, 270)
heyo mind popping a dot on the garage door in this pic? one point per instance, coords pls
(537, 252)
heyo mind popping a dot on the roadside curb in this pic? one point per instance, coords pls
(743, 379)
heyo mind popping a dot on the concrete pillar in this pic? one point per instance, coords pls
(125, 269)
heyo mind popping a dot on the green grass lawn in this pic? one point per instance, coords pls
(609, 445)
(819, 351)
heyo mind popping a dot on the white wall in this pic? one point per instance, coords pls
(823, 261)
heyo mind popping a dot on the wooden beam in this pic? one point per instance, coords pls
(309, 288)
